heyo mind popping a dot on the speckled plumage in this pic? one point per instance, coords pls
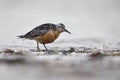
(39, 30)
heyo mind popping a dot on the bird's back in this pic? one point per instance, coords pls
(39, 31)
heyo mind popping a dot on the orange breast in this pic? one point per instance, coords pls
(49, 37)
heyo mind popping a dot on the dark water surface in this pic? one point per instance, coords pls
(60, 67)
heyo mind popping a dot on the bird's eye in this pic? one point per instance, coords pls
(62, 27)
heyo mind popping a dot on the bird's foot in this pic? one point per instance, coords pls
(38, 49)
(50, 51)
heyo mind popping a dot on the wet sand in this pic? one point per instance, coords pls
(79, 63)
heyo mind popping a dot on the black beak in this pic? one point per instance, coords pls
(67, 31)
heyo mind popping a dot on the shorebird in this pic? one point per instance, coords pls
(45, 33)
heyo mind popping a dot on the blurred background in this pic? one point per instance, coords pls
(94, 24)
(84, 18)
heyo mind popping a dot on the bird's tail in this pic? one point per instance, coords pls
(21, 36)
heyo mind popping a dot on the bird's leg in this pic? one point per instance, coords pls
(38, 49)
(46, 49)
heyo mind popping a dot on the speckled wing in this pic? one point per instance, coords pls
(40, 30)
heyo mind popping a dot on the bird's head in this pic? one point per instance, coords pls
(61, 28)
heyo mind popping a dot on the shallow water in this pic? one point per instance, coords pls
(60, 67)
(70, 63)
